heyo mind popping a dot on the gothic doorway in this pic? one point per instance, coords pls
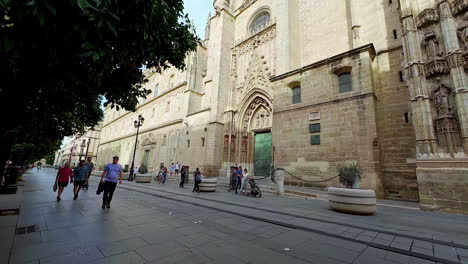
(262, 154)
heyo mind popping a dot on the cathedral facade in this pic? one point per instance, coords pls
(309, 85)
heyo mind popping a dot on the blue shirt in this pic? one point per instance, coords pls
(113, 171)
(80, 173)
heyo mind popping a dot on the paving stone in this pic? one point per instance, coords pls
(423, 244)
(400, 246)
(396, 257)
(464, 260)
(118, 247)
(160, 251)
(462, 252)
(445, 252)
(414, 260)
(369, 233)
(130, 257)
(403, 240)
(27, 239)
(422, 251)
(78, 255)
(381, 242)
(364, 238)
(226, 259)
(385, 236)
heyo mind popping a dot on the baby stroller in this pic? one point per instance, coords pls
(254, 189)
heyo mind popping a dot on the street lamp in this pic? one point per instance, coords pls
(87, 148)
(138, 123)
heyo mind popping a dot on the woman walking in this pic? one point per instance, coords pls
(64, 175)
(197, 178)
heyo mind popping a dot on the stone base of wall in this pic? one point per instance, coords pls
(209, 170)
(443, 185)
(401, 185)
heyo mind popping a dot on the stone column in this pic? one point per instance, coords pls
(426, 144)
(457, 72)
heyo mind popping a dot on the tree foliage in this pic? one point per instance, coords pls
(59, 58)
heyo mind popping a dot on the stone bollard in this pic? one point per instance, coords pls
(279, 178)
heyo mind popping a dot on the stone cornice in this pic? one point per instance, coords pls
(334, 101)
(368, 47)
(170, 123)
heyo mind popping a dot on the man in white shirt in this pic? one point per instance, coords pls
(177, 169)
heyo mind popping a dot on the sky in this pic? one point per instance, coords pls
(198, 12)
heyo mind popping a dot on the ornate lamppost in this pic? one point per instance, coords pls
(87, 148)
(138, 123)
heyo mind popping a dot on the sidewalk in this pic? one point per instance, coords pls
(152, 223)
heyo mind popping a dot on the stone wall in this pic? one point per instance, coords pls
(444, 189)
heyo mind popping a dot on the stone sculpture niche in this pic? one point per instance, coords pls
(445, 121)
(436, 63)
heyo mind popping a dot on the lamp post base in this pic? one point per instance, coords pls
(130, 176)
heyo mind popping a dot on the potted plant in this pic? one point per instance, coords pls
(142, 176)
(351, 199)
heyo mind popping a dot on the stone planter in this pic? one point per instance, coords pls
(208, 184)
(143, 178)
(354, 201)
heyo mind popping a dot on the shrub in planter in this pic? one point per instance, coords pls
(143, 169)
(350, 200)
(349, 174)
(125, 169)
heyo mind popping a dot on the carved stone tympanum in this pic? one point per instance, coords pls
(427, 17)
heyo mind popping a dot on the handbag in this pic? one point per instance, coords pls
(100, 188)
(55, 187)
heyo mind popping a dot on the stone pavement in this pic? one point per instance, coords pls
(150, 223)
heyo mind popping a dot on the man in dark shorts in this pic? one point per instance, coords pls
(80, 172)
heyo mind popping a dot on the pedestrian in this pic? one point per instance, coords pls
(164, 174)
(239, 179)
(110, 176)
(197, 180)
(172, 169)
(90, 165)
(79, 177)
(245, 181)
(135, 171)
(64, 175)
(233, 179)
(182, 177)
(177, 169)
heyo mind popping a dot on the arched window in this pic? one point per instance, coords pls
(345, 82)
(260, 21)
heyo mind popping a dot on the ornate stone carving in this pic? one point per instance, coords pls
(431, 44)
(444, 9)
(445, 122)
(463, 31)
(415, 70)
(256, 77)
(427, 17)
(260, 38)
(408, 24)
(459, 6)
(246, 4)
(465, 60)
(254, 105)
(436, 67)
(455, 60)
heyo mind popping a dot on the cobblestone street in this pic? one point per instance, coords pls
(150, 223)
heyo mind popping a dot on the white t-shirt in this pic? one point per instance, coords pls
(177, 166)
(244, 178)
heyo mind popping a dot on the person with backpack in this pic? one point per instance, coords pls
(64, 175)
(197, 179)
(80, 173)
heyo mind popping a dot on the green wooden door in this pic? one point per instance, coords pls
(263, 155)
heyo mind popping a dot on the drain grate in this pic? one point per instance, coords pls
(26, 230)
(5, 212)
